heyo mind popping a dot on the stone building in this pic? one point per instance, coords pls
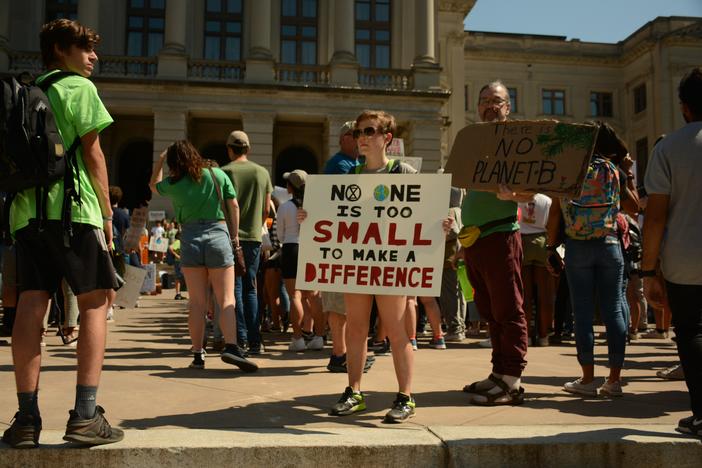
(290, 72)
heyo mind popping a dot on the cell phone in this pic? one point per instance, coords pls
(554, 259)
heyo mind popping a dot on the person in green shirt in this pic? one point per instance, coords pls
(46, 254)
(206, 252)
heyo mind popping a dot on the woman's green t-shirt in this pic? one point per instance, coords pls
(197, 201)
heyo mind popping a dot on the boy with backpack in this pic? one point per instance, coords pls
(61, 231)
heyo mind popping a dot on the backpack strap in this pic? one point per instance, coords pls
(47, 82)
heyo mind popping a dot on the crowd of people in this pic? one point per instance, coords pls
(541, 270)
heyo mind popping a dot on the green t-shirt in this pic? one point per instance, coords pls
(479, 208)
(252, 184)
(78, 111)
(197, 201)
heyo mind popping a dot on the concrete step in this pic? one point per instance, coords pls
(649, 446)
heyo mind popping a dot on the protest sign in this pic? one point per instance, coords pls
(137, 223)
(149, 284)
(543, 156)
(159, 215)
(128, 294)
(374, 233)
(413, 161)
(396, 148)
(158, 244)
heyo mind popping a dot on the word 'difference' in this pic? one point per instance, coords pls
(370, 275)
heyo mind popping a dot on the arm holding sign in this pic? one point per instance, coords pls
(553, 238)
(506, 194)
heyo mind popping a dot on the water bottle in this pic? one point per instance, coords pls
(463, 282)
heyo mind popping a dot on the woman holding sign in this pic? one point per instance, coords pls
(206, 252)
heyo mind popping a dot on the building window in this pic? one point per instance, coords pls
(223, 20)
(601, 104)
(298, 32)
(373, 33)
(145, 27)
(641, 158)
(640, 98)
(513, 99)
(553, 101)
(56, 9)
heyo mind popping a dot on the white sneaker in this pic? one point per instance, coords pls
(297, 344)
(613, 389)
(578, 387)
(654, 334)
(110, 315)
(315, 343)
(486, 343)
(672, 373)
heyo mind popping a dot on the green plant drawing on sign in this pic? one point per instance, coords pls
(564, 135)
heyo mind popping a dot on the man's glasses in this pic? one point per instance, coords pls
(368, 131)
(492, 102)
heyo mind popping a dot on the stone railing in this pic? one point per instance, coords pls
(25, 62)
(385, 78)
(119, 65)
(302, 74)
(215, 70)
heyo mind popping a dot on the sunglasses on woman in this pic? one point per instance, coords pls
(368, 131)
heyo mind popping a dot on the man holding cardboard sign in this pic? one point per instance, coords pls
(492, 249)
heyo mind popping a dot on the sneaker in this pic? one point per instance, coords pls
(24, 432)
(94, 431)
(307, 336)
(402, 408)
(413, 342)
(613, 389)
(315, 344)
(381, 349)
(633, 336)
(577, 386)
(349, 403)
(255, 349)
(370, 360)
(110, 315)
(690, 425)
(654, 335)
(455, 337)
(672, 373)
(486, 343)
(198, 361)
(297, 344)
(438, 343)
(337, 364)
(234, 355)
(178, 297)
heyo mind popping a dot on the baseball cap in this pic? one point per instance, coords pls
(238, 138)
(347, 127)
(297, 178)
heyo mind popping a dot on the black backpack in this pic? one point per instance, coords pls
(32, 153)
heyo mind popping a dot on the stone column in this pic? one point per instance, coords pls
(344, 67)
(426, 143)
(259, 127)
(4, 35)
(426, 70)
(89, 13)
(172, 59)
(170, 124)
(259, 64)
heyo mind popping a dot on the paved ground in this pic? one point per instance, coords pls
(146, 384)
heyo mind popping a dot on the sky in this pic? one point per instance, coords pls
(587, 20)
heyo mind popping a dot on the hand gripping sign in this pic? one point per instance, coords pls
(374, 234)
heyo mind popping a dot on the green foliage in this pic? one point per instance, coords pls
(564, 135)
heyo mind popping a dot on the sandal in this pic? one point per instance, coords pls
(68, 338)
(473, 388)
(516, 396)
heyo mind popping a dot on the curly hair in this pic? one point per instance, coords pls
(184, 160)
(64, 33)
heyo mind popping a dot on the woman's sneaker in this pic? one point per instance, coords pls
(402, 409)
(613, 389)
(690, 425)
(297, 344)
(94, 431)
(315, 344)
(234, 355)
(578, 387)
(413, 343)
(198, 360)
(672, 373)
(349, 403)
(438, 343)
(24, 432)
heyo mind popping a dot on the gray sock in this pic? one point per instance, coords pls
(28, 403)
(86, 401)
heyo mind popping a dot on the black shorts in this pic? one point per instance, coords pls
(43, 259)
(289, 261)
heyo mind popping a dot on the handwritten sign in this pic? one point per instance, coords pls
(137, 223)
(543, 156)
(158, 244)
(374, 233)
(396, 148)
(128, 295)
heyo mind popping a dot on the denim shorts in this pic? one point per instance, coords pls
(205, 244)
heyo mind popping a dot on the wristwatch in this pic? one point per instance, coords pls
(647, 273)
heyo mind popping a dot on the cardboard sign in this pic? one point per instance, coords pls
(543, 156)
(157, 215)
(137, 223)
(413, 161)
(374, 234)
(128, 294)
(396, 148)
(158, 244)
(149, 284)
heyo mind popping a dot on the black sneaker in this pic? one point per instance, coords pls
(178, 297)
(24, 432)
(94, 431)
(690, 425)
(233, 354)
(402, 409)
(198, 361)
(381, 348)
(255, 349)
(337, 364)
(349, 403)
